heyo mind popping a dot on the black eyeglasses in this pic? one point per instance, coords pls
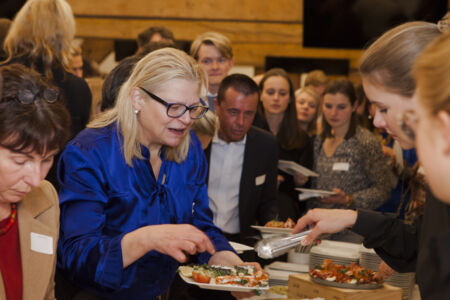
(176, 110)
(28, 97)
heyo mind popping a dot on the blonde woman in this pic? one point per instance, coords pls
(136, 179)
(40, 37)
(386, 69)
(308, 103)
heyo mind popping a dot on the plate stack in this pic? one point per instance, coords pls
(369, 259)
(279, 272)
(341, 253)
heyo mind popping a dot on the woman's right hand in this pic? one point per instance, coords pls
(324, 221)
(175, 240)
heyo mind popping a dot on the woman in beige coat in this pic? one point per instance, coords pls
(34, 126)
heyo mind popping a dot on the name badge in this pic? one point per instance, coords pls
(41, 243)
(260, 179)
(341, 166)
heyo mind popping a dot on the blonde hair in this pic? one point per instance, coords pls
(43, 31)
(221, 42)
(316, 78)
(206, 125)
(75, 50)
(389, 60)
(312, 126)
(432, 73)
(154, 69)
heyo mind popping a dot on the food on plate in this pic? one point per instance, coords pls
(245, 276)
(280, 224)
(353, 274)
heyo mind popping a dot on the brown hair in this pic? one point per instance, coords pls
(389, 60)
(240, 83)
(346, 88)
(290, 136)
(316, 78)
(432, 73)
(145, 36)
(36, 127)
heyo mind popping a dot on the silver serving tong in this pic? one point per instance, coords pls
(276, 246)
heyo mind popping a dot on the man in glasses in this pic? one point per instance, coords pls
(242, 163)
(213, 52)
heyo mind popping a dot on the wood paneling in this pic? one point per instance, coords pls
(254, 10)
(257, 28)
(187, 30)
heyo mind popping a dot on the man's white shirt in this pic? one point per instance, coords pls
(225, 170)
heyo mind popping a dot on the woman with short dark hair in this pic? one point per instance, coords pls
(34, 126)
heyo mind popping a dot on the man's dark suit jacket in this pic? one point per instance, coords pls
(257, 203)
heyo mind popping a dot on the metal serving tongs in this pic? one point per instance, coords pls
(276, 246)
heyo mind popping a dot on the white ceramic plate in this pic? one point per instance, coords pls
(265, 229)
(321, 193)
(222, 287)
(290, 267)
(240, 248)
(292, 167)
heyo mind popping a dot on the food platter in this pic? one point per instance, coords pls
(234, 279)
(367, 286)
(223, 287)
(264, 229)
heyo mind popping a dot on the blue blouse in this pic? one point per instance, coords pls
(102, 199)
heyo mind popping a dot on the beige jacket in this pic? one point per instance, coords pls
(38, 213)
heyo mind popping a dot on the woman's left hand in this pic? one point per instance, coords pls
(300, 179)
(339, 198)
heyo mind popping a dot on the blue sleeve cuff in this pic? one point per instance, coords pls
(110, 267)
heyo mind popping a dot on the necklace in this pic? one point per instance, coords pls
(12, 219)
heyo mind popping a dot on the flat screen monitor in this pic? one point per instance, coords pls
(353, 24)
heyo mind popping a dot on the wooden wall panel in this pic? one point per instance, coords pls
(254, 10)
(257, 28)
(188, 29)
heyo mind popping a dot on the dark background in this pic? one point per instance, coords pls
(355, 23)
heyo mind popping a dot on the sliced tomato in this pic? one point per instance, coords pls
(200, 277)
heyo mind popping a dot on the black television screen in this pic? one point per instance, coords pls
(354, 23)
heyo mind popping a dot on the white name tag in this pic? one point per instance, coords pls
(41, 243)
(260, 179)
(341, 166)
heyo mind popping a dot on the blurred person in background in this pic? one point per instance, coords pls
(154, 34)
(348, 158)
(307, 102)
(213, 51)
(40, 37)
(277, 114)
